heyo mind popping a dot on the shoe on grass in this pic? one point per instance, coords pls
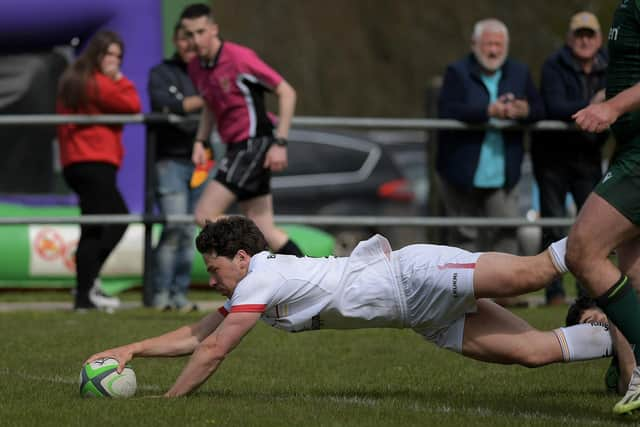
(100, 299)
(188, 308)
(182, 304)
(631, 400)
(82, 305)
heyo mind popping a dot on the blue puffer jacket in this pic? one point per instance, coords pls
(464, 97)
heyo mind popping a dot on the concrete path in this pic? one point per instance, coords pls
(6, 307)
(204, 306)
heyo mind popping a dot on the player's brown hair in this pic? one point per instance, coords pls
(227, 235)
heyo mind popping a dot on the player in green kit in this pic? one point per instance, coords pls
(610, 219)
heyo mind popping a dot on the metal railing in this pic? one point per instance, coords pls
(148, 218)
(307, 121)
(319, 220)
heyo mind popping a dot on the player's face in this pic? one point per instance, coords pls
(184, 47)
(490, 50)
(585, 43)
(202, 33)
(225, 273)
(593, 315)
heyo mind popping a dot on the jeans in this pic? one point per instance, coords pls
(173, 256)
(577, 176)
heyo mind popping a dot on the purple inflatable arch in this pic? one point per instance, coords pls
(30, 25)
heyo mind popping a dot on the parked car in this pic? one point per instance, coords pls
(408, 150)
(331, 173)
(373, 173)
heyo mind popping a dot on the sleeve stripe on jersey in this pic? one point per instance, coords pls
(248, 308)
(223, 311)
(454, 265)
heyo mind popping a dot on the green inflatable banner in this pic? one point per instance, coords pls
(43, 256)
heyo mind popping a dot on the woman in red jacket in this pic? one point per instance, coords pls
(92, 154)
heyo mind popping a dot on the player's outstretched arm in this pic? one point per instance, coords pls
(598, 117)
(211, 352)
(182, 341)
(626, 358)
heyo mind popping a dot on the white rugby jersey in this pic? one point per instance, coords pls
(298, 294)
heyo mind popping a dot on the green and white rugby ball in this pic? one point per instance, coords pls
(101, 379)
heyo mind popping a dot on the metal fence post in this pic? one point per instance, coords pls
(435, 206)
(150, 155)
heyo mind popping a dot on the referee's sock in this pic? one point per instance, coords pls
(621, 305)
(290, 248)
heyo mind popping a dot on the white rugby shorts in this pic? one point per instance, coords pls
(438, 285)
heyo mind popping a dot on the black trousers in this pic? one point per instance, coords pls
(97, 190)
(558, 175)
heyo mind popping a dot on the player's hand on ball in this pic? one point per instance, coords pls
(121, 354)
(101, 379)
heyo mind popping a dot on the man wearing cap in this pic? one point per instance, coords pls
(569, 162)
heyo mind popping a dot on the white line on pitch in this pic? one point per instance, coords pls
(63, 380)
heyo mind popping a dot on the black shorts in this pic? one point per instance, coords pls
(241, 170)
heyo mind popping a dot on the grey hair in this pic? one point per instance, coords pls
(490, 24)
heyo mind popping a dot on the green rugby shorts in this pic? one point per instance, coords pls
(620, 185)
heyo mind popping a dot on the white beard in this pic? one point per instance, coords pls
(490, 64)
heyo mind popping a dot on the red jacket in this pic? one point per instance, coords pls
(98, 143)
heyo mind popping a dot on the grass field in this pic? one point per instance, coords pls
(324, 378)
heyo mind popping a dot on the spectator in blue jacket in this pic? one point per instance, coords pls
(171, 91)
(569, 162)
(479, 169)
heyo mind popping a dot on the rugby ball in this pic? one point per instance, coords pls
(101, 379)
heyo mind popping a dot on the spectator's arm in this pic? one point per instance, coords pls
(192, 104)
(116, 97)
(536, 106)
(162, 98)
(453, 102)
(554, 94)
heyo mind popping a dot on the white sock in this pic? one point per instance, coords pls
(585, 341)
(558, 250)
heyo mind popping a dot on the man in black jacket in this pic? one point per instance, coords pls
(171, 91)
(569, 162)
